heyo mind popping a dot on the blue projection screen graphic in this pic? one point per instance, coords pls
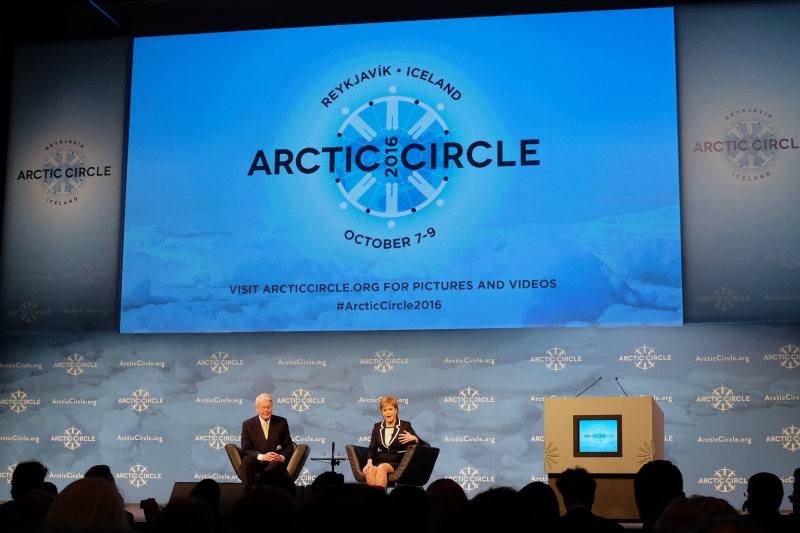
(473, 173)
(597, 436)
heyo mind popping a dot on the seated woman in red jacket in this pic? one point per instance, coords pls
(390, 440)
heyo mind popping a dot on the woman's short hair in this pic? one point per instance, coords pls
(391, 400)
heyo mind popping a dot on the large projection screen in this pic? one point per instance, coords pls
(472, 173)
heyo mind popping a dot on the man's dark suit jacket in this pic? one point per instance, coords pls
(254, 443)
(581, 519)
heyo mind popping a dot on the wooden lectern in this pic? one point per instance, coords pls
(640, 440)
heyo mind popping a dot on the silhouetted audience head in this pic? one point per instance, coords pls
(539, 499)
(49, 488)
(32, 509)
(729, 524)
(656, 483)
(279, 480)
(688, 514)
(506, 500)
(445, 495)
(795, 493)
(335, 507)
(261, 506)
(188, 515)
(27, 476)
(577, 487)
(477, 515)
(87, 502)
(764, 494)
(416, 505)
(208, 492)
(326, 479)
(101, 472)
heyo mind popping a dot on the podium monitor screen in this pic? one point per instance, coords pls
(597, 435)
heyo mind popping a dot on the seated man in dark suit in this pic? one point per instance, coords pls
(577, 488)
(266, 442)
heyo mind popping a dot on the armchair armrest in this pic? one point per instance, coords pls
(416, 467)
(358, 460)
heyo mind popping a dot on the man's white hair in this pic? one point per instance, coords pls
(263, 398)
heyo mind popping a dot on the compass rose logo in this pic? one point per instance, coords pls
(555, 363)
(71, 441)
(217, 434)
(28, 314)
(790, 356)
(383, 365)
(725, 480)
(138, 478)
(220, 362)
(64, 172)
(644, 362)
(9, 473)
(305, 478)
(381, 186)
(18, 401)
(140, 403)
(719, 397)
(789, 257)
(723, 300)
(469, 395)
(792, 435)
(86, 274)
(73, 368)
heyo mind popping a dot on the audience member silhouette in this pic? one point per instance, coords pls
(30, 511)
(208, 492)
(104, 472)
(729, 524)
(187, 515)
(656, 485)
(344, 507)
(445, 495)
(539, 502)
(86, 502)
(764, 498)
(688, 514)
(507, 501)
(27, 476)
(279, 479)
(577, 488)
(416, 505)
(263, 509)
(326, 479)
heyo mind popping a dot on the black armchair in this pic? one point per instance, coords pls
(415, 468)
(293, 467)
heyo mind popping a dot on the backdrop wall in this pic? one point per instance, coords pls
(168, 403)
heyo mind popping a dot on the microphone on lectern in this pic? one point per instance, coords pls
(589, 387)
(620, 386)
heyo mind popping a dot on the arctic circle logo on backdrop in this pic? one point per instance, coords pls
(645, 357)
(789, 438)
(384, 361)
(29, 312)
(724, 480)
(220, 362)
(75, 364)
(138, 476)
(140, 400)
(72, 438)
(556, 359)
(751, 144)
(470, 479)
(64, 172)
(19, 401)
(723, 398)
(724, 298)
(469, 399)
(8, 473)
(788, 356)
(217, 438)
(301, 400)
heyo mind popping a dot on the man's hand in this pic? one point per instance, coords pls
(272, 456)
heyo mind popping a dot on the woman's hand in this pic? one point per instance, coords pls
(369, 467)
(406, 437)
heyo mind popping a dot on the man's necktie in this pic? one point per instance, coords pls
(266, 430)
